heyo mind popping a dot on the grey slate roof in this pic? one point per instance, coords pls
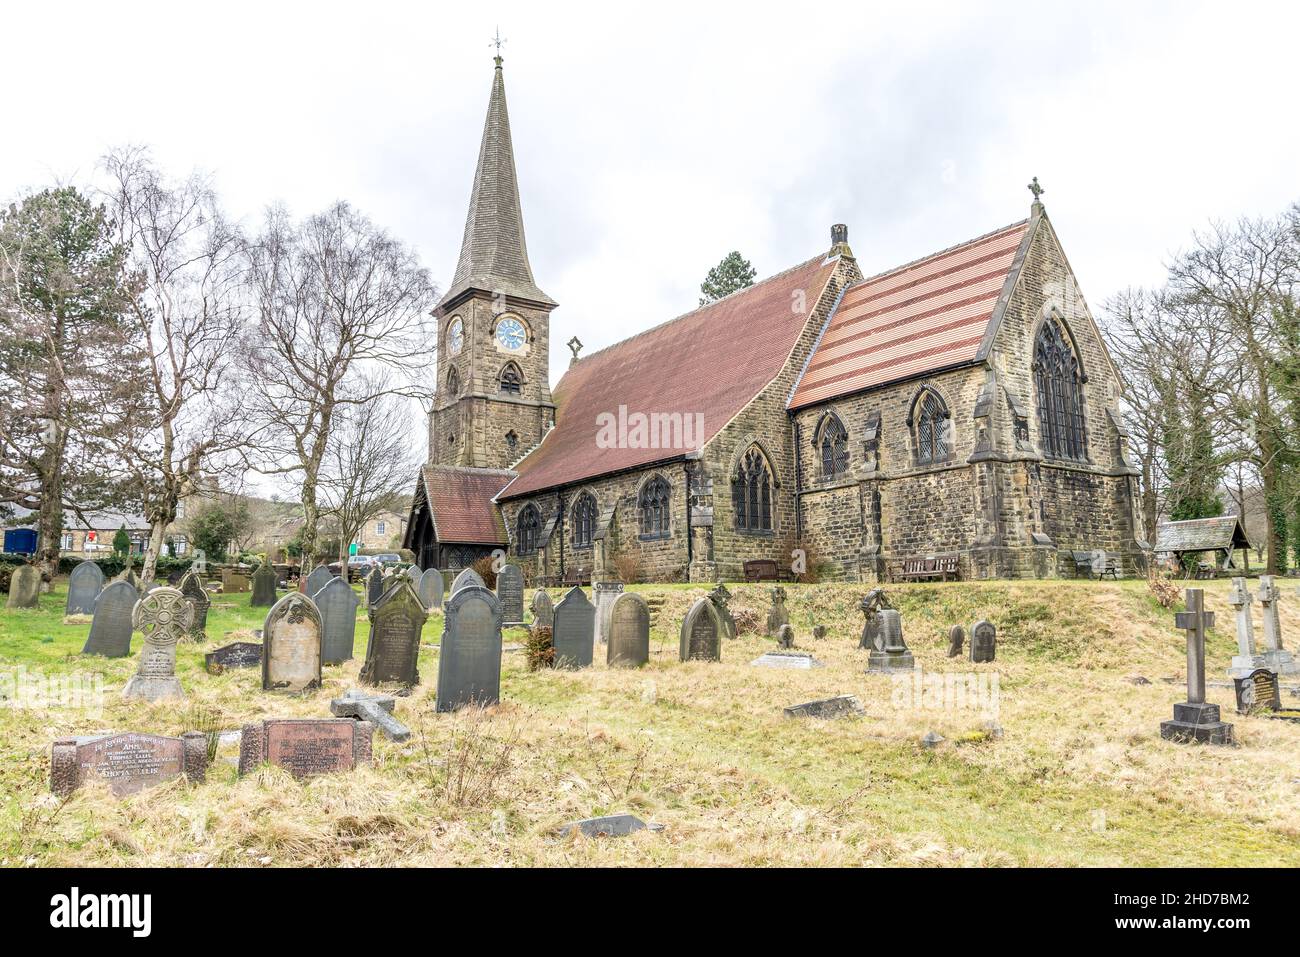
(1201, 534)
(494, 254)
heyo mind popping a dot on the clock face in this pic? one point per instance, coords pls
(511, 334)
(455, 336)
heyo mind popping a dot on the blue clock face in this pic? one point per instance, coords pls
(511, 334)
(455, 336)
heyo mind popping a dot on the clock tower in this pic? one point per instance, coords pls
(492, 402)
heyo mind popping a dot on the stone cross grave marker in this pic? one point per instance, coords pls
(721, 598)
(983, 642)
(469, 663)
(264, 582)
(629, 632)
(164, 617)
(1247, 659)
(604, 593)
(239, 654)
(110, 629)
(84, 585)
(306, 746)
(129, 762)
(337, 603)
(320, 577)
(891, 653)
(543, 609)
(466, 577)
(24, 587)
(191, 587)
(1276, 657)
(375, 708)
(291, 645)
(778, 615)
(702, 631)
(510, 592)
(1194, 720)
(573, 632)
(396, 623)
(430, 588)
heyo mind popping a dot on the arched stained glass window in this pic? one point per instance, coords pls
(1059, 379)
(584, 520)
(529, 524)
(833, 444)
(654, 507)
(751, 492)
(931, 424)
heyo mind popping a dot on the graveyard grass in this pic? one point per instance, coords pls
(1080, 775)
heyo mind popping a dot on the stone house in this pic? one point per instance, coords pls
(961, 406)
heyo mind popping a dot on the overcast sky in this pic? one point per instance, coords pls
(652, 139)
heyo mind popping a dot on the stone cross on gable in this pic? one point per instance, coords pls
(1037, 190)
(1196, 621)
(575, 346)
(1241, 599)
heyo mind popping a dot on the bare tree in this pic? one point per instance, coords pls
(61, 332)
(177, 426)
(368, 466)
(339, 301)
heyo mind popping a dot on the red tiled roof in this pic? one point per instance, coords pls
(712, 361)
(461, 502)
(928, 315)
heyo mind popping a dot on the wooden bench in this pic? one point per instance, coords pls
(576, 576)
(1207, 570)
(941, 567)
(765, 570)
(1084, 564)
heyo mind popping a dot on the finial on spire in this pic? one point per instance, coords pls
(498, 41)
(575, 346)
(1037, 190)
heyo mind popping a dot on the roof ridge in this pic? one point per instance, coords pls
(686, 315)
(468, 468)
(943, 252)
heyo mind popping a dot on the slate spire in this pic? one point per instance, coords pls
(494, 254)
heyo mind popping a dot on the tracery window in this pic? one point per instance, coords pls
(654, 508)
(751, 492)
(833, 444)
(512, 380)
(529, 523)
(931, 425)
(1059, 379)
(584, 520)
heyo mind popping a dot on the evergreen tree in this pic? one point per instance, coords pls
(121, 542)
(734, 273)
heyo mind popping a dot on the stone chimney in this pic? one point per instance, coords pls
(840, 241)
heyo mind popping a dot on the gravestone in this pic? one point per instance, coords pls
(192, 588)
(24, 587)
(337, 603)
(129, 762)
(721, 598)
(291, 645)
(983, 642)
(430, 588)
(629, 632)
(1276, 657)
(510, 592)
(874, 602)
(819, 632)
(573, 634)
(956, 638)
(778, 615)
(467, 577)
(1194, 720)
(264, 582)
(306, 746)
(375, 708)
(375, 586)
(785, 637)
(239, 654)
(233, 581)
(320, 577)
(603, 595)
(543, 609)
(702, 631)
(1258, 692)
(799, 660)
(84, 585)
(614, 825)
(163, 616)
(890, 653)
(1247, 660)
(393, 652)
(469, 664)
(110, 629)
(838, 707)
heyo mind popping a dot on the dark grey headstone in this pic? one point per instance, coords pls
(393, 652)
(836, 707)
(239, 654)
(291, 645)
(84, 585)
(574, 631)
(615, 825)
(467, 576)
(264, 581)
(983, 642)
(192, 588)
(702, 631)
(338, 612)
(510, 592)
(110, 630)
(374, 585)
(956, 639)
(430, 588)
(24, 587)
(469, 663)
(629, 632)
(543, 609)
(320, 577)
(891, 653)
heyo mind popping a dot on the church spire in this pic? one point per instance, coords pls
(494, 254)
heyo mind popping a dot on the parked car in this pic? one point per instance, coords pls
(359, 567)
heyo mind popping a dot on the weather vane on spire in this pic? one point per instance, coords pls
(498, 41)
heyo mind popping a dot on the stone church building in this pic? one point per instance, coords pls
(960, 407)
